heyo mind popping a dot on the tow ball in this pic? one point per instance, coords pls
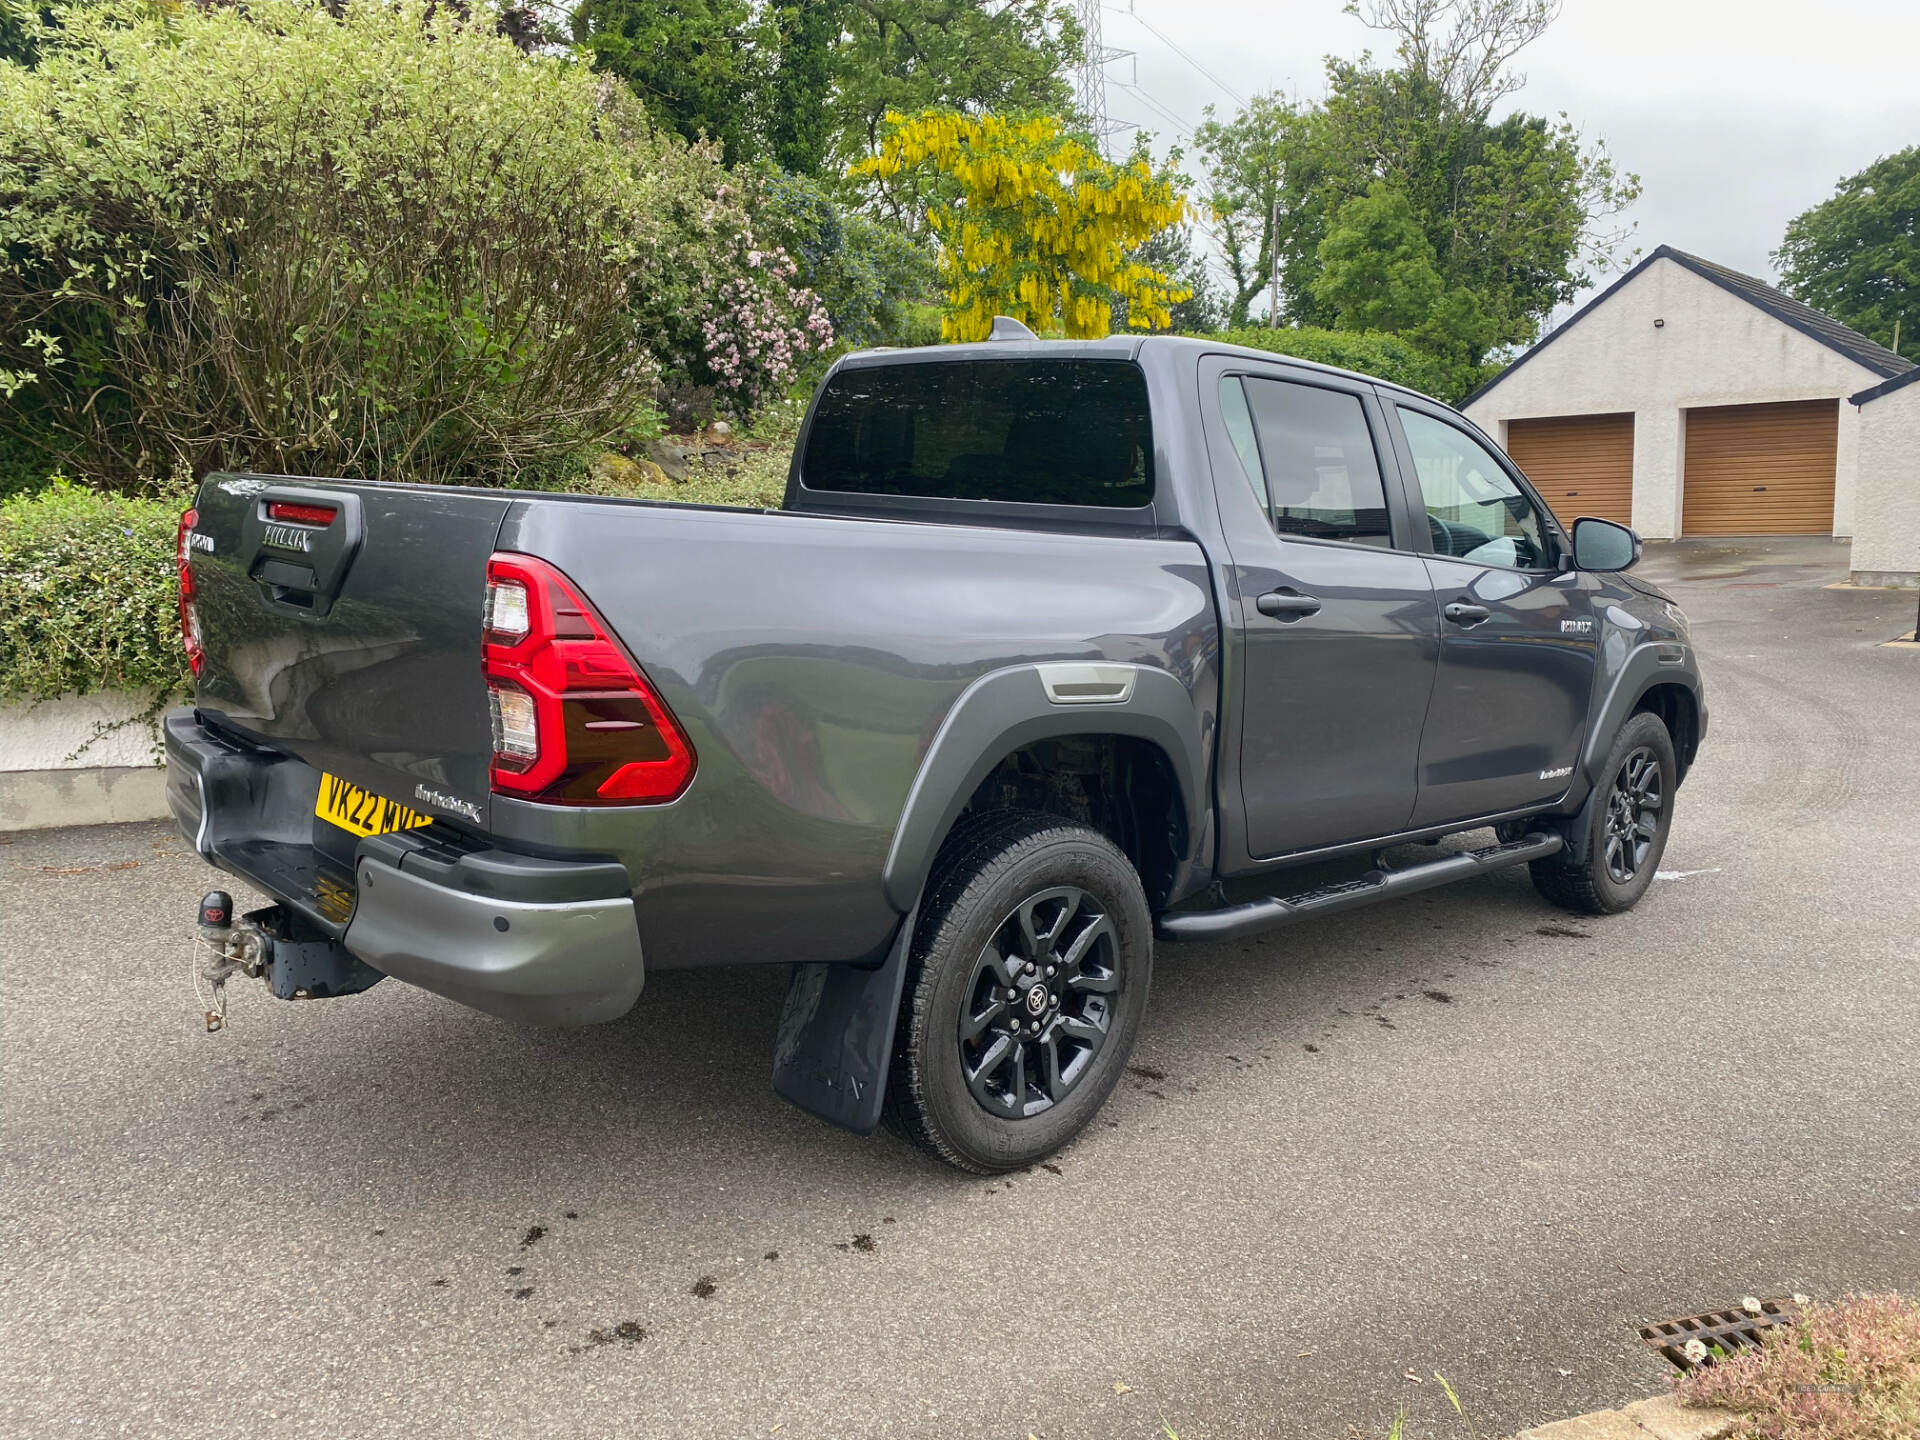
(297, 960)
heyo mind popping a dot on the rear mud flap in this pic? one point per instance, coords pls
(836, 1037)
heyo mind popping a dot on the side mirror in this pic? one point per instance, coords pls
(1603, 545)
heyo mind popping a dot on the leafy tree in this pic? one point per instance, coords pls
(18, 22)
(799, 120)
(910, 56)
(697, 65)
(1856, 255)
(1173, 253)
(1041, 227)
(1259, 168)
(1377, 269)
(1516, 212)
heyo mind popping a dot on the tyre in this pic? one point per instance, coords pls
(1631, 812)
(1025, 989)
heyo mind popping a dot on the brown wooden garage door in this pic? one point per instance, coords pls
(1760, 469)
(1580, 464)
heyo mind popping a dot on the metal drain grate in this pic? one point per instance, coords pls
(1727, 1331)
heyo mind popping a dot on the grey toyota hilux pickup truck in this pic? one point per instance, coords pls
(1057, 650)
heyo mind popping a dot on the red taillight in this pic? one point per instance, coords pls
(574, 720)
(298, 514)
(189, 615)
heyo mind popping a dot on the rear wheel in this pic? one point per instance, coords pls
(1025, 990)
(1627, 825)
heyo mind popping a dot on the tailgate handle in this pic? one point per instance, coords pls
(300, 541)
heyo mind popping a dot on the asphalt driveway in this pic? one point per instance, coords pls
(1464, 1132)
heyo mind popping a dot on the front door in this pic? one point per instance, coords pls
(1338, 627)
(1517, 633)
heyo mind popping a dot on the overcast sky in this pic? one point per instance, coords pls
(1736, 114)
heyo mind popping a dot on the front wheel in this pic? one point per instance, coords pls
(1629, 818)
(1025, 990)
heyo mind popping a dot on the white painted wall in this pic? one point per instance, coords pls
(45, 734)
(1714, 349)
(1886, 537)
(54, 771)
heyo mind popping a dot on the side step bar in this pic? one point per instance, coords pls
(1233, 921)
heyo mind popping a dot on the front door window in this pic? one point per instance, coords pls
(1474, 510)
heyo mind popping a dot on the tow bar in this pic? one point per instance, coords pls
(296, 959)
(224, 951)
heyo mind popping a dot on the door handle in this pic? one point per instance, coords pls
(1461, 613)
(1285, 604)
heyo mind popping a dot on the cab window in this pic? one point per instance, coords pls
(1474, 510)
(1322, 478)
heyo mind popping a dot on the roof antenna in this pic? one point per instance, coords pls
(1005, 327)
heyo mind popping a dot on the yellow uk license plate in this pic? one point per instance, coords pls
(361, 811)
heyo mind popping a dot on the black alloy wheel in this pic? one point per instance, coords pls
(1025, 990)
(1614, 846)
(1039, 1002)
(1634, 806)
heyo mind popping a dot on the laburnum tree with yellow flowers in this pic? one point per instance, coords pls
(1033, 223)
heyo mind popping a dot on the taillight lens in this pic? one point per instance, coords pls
(575, 721)
(189, 614)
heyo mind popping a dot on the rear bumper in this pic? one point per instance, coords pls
(547, 942)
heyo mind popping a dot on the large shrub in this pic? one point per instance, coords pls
(1379, 353)
(385, 244)
(87, 595)
(868, 274)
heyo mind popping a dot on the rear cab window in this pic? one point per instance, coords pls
(1069, 431)
(1310, 456)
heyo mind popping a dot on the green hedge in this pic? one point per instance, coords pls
(1379, 353)
(88, 598)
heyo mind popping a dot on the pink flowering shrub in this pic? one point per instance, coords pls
(760, 326)
(1848, 1371)
(722, 313)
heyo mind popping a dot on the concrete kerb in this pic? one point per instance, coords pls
(1659, 1417)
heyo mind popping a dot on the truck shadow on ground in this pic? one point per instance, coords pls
(683, 1080)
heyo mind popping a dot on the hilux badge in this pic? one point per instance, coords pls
(290, 537)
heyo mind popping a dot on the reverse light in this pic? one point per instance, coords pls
(189, 613)
(516, 725)
(507, 615)
(575, 720)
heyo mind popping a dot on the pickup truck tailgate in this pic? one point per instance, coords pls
(340, 624)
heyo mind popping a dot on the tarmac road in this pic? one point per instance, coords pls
(1464, 1132)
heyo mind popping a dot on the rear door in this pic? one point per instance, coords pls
(1336, 617)
(1518, 637)
(341, 625)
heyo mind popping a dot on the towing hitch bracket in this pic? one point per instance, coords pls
(297, 960)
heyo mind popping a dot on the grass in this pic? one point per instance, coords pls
(1846, 1371)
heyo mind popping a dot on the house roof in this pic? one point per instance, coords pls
(1869, 354)
(1885, 387)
